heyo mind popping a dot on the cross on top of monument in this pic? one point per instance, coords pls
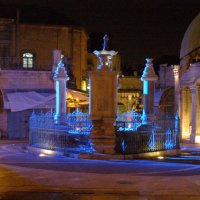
(105, 42)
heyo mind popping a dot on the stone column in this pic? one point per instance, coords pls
(176, 90)
(193, 114)
(186, 113)
(60, 77)
(180, 108)
(149, 77)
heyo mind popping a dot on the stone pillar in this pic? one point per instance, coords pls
(198, 110)
(176, 90)
(103, 102)
(149, 77)
(60, 77)
(180, 108)
(193, 114)
(186, 113)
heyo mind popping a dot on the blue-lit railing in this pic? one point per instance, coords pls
(163, 135)
(128, 122)
(71, 135)
(79, 122)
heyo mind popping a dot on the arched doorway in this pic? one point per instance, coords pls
(166, 104)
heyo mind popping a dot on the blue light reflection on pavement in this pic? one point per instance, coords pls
(184, 158)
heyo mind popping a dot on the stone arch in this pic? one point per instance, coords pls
(166, 104)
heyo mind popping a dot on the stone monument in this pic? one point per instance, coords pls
(103, 101)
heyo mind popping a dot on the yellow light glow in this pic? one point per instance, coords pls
(197, 139)
(47, 152)
(83, 85)
(160, 157)
(41, 155)
(185, 135)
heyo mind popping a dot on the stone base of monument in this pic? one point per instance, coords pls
(103, 136)
(103, 144)
(103, 127)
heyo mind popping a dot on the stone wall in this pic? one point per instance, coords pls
(13, 79)
(40, 40)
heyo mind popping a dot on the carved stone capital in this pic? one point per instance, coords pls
(149, 73)
(105, 58)
(176, 70)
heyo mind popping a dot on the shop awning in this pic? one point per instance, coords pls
(23, 100)
(18, 101)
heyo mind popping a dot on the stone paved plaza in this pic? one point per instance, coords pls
(25, 175)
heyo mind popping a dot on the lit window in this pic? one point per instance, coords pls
(27, 60)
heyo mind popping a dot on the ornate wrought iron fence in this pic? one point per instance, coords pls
(71, 134)
(128, 121)
(163, 135)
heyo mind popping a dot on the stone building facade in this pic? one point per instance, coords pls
(129, 94)
(15, 112)
(190, 82)
(179, 86)
(29, 47)
(27, 63)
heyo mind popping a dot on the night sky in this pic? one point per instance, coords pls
(137, 28)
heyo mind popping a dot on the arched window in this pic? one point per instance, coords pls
(28, 60)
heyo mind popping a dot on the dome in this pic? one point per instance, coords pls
(191, 39)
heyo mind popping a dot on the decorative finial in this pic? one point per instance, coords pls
(105, 42)
(105, 55)
(60, 72)
(149, 73)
